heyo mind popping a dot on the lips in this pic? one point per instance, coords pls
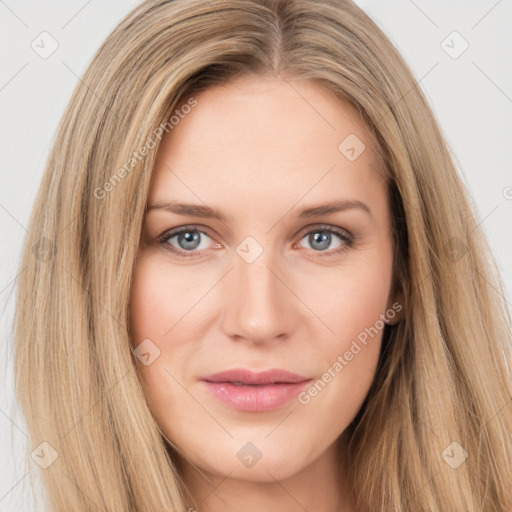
(245, 390)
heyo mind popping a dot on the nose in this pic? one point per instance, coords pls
(259, 306)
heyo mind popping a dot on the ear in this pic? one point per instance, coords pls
(395, 309)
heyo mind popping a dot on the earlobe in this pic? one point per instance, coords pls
(395, 310)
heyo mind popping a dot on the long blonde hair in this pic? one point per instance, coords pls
(434, 431)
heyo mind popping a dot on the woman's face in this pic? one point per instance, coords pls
(279, 282)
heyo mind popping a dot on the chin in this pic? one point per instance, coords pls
(255, 461)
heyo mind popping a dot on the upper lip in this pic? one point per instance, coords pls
(273, 376)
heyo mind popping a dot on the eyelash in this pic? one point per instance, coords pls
(344, 235)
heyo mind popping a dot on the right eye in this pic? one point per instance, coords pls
(185, 241)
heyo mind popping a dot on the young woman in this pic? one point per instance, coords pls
(253, 278)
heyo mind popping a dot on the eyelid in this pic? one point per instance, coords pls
(325, 227)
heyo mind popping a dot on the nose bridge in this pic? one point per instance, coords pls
(259, 303)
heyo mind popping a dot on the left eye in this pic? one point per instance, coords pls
(321, 239)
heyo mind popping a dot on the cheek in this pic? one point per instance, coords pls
(155, 308)
(165, 305)
(147, 303)
(161, 295)
(354, 297)
(355, 305)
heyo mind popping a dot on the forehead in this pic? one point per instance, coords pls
(262, 138)
(273, 111)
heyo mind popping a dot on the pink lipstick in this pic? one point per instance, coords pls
(246, 390)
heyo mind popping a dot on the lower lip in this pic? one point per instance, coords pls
(255, 398)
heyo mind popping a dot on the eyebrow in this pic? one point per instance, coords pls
(206, 212)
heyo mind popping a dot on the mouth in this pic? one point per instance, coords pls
(245, 390)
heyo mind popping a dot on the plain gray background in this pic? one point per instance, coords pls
(470, 93)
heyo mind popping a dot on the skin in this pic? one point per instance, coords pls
(259, 149)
